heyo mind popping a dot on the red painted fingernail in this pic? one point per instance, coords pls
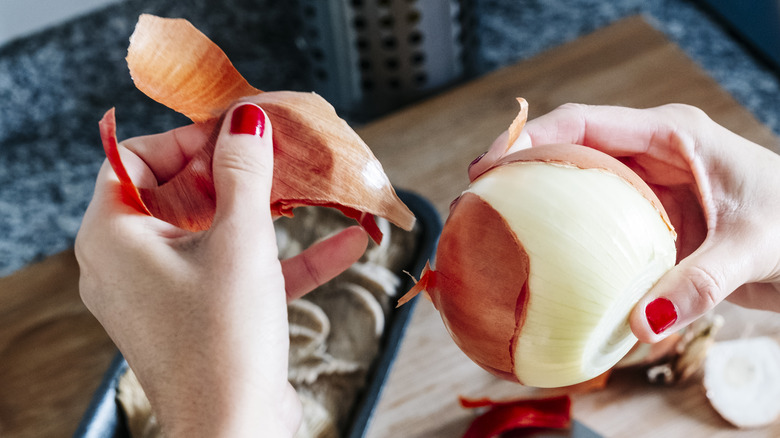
(248, 119)
(660, 314)
(476, 160)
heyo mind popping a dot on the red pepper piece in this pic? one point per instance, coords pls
(550, 413)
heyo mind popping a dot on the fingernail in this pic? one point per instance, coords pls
(476, 160)
(248, 119)
(660, 314)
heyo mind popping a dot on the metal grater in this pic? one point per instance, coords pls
(368, 57)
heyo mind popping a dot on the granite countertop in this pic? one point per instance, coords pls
(55, 86)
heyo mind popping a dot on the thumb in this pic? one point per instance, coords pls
(690, 289)
(243, 169)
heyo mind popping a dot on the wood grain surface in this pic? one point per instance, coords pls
(53, 353)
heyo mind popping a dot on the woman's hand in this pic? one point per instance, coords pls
(201, 317)
(721, 191)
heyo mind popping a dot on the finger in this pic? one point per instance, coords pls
(107, 186)
(761, 296)
(574, 124)
(323, 261)
(691, 289)
(498, 149)
(243, 172)
(110, 217)
(167, 154)
(617, 131)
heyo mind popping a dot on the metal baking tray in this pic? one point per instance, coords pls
(104, 417)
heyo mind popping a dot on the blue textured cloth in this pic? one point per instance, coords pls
(55, 86)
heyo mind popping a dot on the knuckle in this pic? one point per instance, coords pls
(242, 162)
(312, 270)
(571, 107)
(684, 113)
(708, 286)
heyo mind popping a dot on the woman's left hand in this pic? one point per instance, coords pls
(201, 317)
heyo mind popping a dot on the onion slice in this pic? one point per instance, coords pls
(318, 159)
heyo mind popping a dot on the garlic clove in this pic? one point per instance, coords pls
(742, 380)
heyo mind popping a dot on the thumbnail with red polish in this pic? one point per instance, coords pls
(248, 119)
(660, 314)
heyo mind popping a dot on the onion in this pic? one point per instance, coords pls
(543, 258)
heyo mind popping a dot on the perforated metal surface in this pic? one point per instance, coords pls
(371, 56)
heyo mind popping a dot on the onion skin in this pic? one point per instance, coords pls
(318, 159)
(492, 289)
(486, 337)
(168, 51)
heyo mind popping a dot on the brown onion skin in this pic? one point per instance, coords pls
(480, 284)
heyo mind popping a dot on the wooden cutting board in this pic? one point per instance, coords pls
(53, 353)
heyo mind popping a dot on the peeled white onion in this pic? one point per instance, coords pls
(541, 261)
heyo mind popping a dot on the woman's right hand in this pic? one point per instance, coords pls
(721, 191)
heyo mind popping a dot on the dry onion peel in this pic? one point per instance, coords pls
(550, 413)
(516, 128)
(130, 194)
(542, 259)
(318, 159)
(175, 64)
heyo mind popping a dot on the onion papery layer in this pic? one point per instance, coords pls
(595, 245)
(318, 159)
(177, 65)
(479, 285)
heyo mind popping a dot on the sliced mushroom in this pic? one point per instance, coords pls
(336, 392)
(317, 422)
(742, 380)
(354, 334)
(310, 368)
(380, 281)
(309, 328)
(141, 421)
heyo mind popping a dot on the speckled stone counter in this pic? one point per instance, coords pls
(55, 86)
